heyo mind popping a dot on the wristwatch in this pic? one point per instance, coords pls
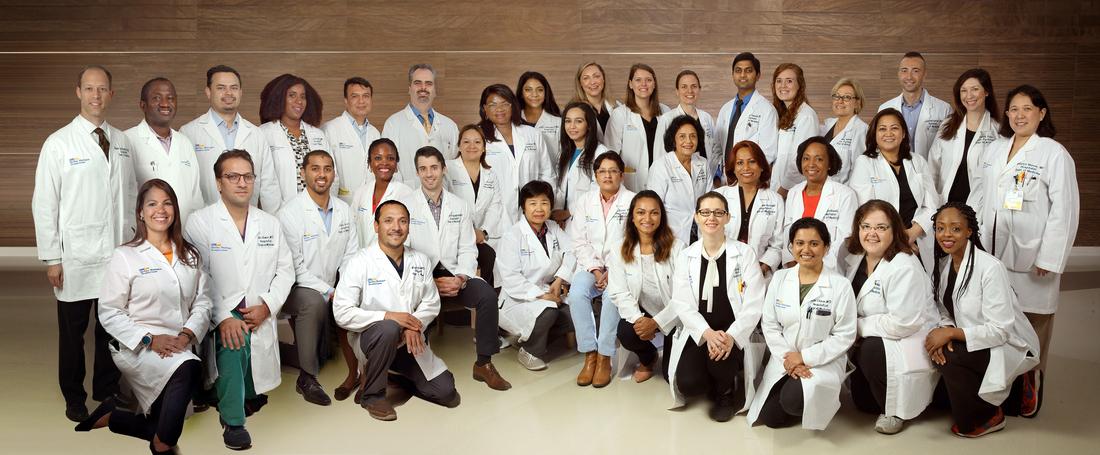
(147, 340)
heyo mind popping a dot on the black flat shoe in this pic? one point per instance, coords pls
(76, 412)
(103, 409)
(170, 451)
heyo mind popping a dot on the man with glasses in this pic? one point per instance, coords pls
(419, 125)
(251, 269)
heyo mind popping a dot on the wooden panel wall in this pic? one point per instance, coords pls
(472, 43)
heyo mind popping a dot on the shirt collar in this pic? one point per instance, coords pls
(311, 201)
(88, 127)
(919, 102)
(351, 119)
(219, 121)
(431, 114)
(428, 197)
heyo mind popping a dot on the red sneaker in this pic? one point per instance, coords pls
(1029, 401)
(995, 424)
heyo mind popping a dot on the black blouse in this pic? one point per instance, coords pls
(650, 132)
(721, 315)
(746, 210)
(907, 203)
(960, 187)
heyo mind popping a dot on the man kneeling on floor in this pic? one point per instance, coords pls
(387, 298)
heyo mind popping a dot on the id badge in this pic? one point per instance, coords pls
(1014, 199)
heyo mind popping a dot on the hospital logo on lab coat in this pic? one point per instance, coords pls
(218, 247)
(77, 161)
(374, 282)
(148, 270)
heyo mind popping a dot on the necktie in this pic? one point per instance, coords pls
(729, 135)
(103, 142)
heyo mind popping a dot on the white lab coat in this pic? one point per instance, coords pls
(550, 127)
(758, 123)
(873, 178)
(745, 288)
(595, 236)
(624, 285)
(991, 318)
(486, 207)
(369, 287)
(209, 145)
(679, 190)
(143, 293)
(822, 328)
(665, 119)
(451, 242)
(785, 170)
(766, 235)
(526, 272)
(282, 154)
(318, 254)
(258, 270)
(836, 209)
(1042, 233)
(946, 154)
(932, 114)
(572, 189)
(896, 304)
(849, 143)
(407, 131)
(530, 162)
(349, 152)
(83, 204)
(626, 134)
(179, 166)
(362, 206)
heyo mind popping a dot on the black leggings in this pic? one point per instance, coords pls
(645, 350)
(783, 407)
(868, 385)
(165, 419)
(962, 376)
(697, 374)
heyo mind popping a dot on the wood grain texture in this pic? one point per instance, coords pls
(1054, 45)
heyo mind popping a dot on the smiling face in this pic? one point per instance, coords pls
(745, 75)
(536, 210)
(575, 124)
(533, 92)
(359, 100)
(295, 104)
(815, 163)
(746, 168)
(224, 92)
(952, 231)
(646, 216)
(157, 211)
(642, 84)
(845, 101)
(318, 174)
(159, 104)
(1023, 116)
(889, 134)
(592, 80)
(392, 226)
(471, 145)
(911, 74)
(808, 248)
(95, 94)
(715, 223)
(786, 85)
(422, 89)
(875, 234)
(383, 162)
(687, 138)
(430, 170)
(688, 90)
(972, 95)
(497, 109)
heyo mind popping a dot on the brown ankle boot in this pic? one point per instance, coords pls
(603, 371)
(589, 369)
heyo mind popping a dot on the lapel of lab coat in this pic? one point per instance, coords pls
(517, 144)
(535, 246)
(1009, 168)
(209, 124)
(734, 274)
(826, 200)
(883, 268)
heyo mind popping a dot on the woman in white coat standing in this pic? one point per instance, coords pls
(154, 304)
(632, 129)
(756, 212)
(590, 86)
(894, 378)
(379, 186)
(984, 341)
(965, 136)
(847, 132)
(717, 290)
(290, 109)
(797, 122)
(472, 179)
(535, 260)
(515, 149)
(538, 107)
(888, 170)
(681, 176)
(1030, 215)
(687, 90)
(580, 145)
(820, 197)
(640, 283)
(809, 323)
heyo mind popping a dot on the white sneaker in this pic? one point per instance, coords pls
(504, 343)
(889, 424)
(529, 361)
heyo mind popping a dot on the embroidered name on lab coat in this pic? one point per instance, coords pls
(701, 176)
(932, 125)
(418, 271)
(832, 214)
(265, 240)
(217, 247)
(845, 142)
(454, 218)
(344, 228)
(753, 118)
(676, 179)
(767, 208)
(524, 252)
(620, 215)
(984, 138)
(186, 163)
(200, 148)
(590, 219)
(490, 185)
(122, 151)
(344, 145)
(876, 288)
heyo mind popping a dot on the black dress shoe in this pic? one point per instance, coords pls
(103, 409)
(253, 405)
(154, 451)
(76, 412)
(236, 438)
(308, 387)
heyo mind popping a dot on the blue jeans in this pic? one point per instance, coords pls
(581, 292)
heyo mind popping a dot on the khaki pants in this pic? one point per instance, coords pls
(1044, 328)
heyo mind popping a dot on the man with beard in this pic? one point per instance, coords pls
(419, 125)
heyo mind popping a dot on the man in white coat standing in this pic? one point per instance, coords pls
(84, 199)
(223, 128)
(749, 116)
(321, 235)
(441, 227)
(245, 253)
(350, 135)
(418, 124)
(163, 153)
(387, 298)
(923, 112)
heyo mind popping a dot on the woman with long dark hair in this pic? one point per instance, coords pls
(538, 107)
(290, 113)
(154, 305)
(515, 149)
(579, 145)
(964, 137)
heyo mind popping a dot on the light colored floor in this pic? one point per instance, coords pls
(543, 413)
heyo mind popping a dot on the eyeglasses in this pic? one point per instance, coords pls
(236, 178)
(880, 228)
(844, 98)
(498, 106)
(705, 213)
(608, 172)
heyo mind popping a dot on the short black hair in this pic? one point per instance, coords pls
(80, 75)
(231, 154)
(676, 124)
(430, 152)
(835, 162)
(378, 210)
(746, 56)
(221, 69)
(609, 156)
(380, 142)
(810, 223)
(535, 188)
(356, 81)
(318, 152)
(149, 84)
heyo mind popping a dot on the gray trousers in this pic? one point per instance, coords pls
(380, 343)
(310, 311)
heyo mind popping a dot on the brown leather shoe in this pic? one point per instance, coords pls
(490, 376)
(643, 372)
(603, 372)
(381, 409)
(588, 370)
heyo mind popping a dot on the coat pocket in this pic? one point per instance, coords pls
(86, 244)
